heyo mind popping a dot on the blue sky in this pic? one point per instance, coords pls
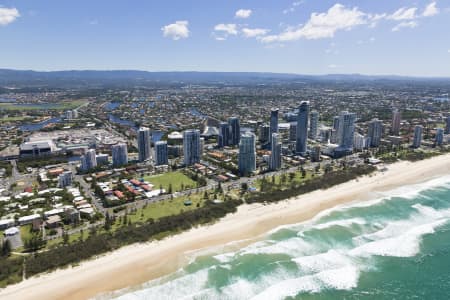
(297, 36)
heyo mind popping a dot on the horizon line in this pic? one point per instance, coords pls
(215, 71)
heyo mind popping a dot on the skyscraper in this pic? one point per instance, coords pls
(302, 127)
(375, 132)
(315, 153)
(396, 119)
(439, 140)
(144, 143)
(191, 146)
(346, 130)
(313, 124)
(224, 135)
(334, 137)
(417, 141)
(447, 125)
(88, 160)
(247, 154)
(235, 131)
(264, 134)
(293, 131)
(119, 154)
(275, 156)
(161, 153)
(273, 121)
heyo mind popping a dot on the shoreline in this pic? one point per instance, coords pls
(130, 266)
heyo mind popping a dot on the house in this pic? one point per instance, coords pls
(12, 231)
(6, 223)
(72, 215)
(28, 219)
(53, 222)
(118, 194)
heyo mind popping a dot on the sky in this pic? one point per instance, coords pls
(376, 37)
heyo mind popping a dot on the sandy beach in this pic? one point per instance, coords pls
(136, 264)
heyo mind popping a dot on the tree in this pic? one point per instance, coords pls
(283, 178)
(244, 187)
(169, 191)
(107, 221)
(65, 237)
(303, 172)
(6, 248)
(291, 176)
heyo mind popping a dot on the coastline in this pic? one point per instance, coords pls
(136, 264)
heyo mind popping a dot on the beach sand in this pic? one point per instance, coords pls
(136, 264)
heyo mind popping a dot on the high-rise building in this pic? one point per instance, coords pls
(264, 134)
(191, 146)
(247, 154)
(334, 137)
(346, 130)
(375, 132)
(396, 119)
(275, 155)
(447, 125)
(360, 142)
(302, 127)
(88, 160)
(273, 121)
(235, 131)
(313, 124)
(315, 153)
(202, 145)
(224, 135)
(119, 154)
(161, 153)
(102, 159)
(69, 115)
(292, 131)
(65, 179)
(75, 114)
(144, 144)
(417, 141)
(439, 140)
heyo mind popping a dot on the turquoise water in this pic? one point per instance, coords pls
(394, 247)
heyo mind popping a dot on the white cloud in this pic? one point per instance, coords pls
(430, 10)
(403, 14)
(8, 15)
(293, 7)
(333, 66)
(243, 13)
(374, 19)
(409, 24)
(254, 32)
(177, 30)
(229, 29)
(323, 25)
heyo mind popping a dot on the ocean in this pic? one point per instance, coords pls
(396, 246)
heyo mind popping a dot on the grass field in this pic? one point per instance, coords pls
(166, 208)
(53, 106)
(177, 179)
(25, 232)
(297, 179)
(13, 119)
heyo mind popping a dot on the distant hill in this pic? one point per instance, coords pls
(127, 77)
